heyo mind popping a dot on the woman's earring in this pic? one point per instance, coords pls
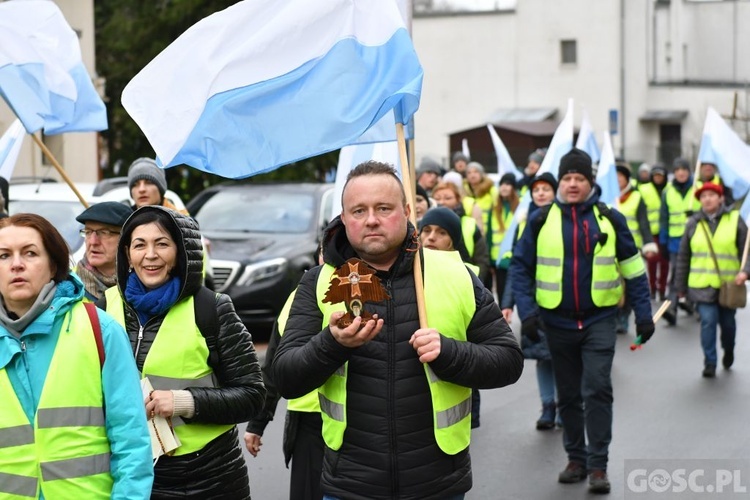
(130, 269)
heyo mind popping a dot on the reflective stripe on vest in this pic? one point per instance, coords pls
(468, 228)
(449, 298)
(678, 206)
(309, 402)
(629, 208)
(606, 287)
(177, 359)
(66, 453)
(703, 272)
(653, 205)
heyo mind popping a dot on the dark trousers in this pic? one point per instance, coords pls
(501, 277)
(582, 360)
(307, 458)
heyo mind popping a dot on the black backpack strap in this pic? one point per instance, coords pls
(605, 211)
(207, 319)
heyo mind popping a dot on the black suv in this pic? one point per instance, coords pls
(263, 238)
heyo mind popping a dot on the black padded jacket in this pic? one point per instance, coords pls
(389, 448)
(218, 470)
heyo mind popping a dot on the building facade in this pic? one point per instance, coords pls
(78, 153)
(648, 69)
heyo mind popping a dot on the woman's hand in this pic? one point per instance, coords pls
(160, 404)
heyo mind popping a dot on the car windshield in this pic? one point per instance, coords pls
(62, 215)
(257, 211)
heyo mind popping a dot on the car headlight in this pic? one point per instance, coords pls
(259, 271)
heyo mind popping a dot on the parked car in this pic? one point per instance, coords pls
(263, 238)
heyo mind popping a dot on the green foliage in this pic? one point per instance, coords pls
(129, 34)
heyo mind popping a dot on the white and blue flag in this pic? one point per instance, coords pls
(606, 174)
(587, 139)
(562, 143)
(10, 147)
(42, 76)
(265, 83)
(505, 163)
(722, 146)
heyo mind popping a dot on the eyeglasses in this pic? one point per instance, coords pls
(100, 233)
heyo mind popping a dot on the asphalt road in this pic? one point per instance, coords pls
(664, 411)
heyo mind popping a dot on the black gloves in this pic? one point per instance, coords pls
(645, 331)
(530, 328)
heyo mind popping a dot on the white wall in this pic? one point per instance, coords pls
(475, 64)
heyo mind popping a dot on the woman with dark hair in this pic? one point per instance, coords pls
(206, 379)
(59, 363)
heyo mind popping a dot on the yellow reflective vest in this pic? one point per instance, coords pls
(449, 299)
(66, 452)
(678, 206)
(606, 285)
(468, 228)
(177, 359)
(652, 199)
(629, 208)
(703, 273)
(309, 402)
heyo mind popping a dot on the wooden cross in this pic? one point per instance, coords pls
(354, 279)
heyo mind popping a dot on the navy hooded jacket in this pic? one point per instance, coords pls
(581, 235)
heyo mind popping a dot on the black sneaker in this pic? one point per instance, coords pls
(728, 359)
(574, 473)
(599, 482)
(709, 371)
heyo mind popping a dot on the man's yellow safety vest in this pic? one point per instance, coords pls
(449, 299)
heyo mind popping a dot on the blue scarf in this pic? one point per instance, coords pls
(149, 303)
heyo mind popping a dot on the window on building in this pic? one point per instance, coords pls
(568, 51)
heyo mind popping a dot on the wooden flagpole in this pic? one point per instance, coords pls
(406, 179)
(59, 168)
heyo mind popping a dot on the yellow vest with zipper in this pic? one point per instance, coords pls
(449, 299)
(65, 453)
(177, 359)
(703, 272)
(652, 199)
(629, 208)
(678, 206)
(606, 286)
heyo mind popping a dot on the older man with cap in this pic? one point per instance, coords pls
(566, 276)
(148, 184)
(428, 174)
(101, 229)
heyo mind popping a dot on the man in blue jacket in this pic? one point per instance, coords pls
(566, 274)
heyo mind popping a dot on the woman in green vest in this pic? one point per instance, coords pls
(501, 218)
(447, 195)
(205, 373)
(484, 192)
(60, 361)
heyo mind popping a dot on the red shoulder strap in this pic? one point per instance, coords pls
(94, 318)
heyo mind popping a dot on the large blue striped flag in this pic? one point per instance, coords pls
(587, 139)
(10, 146)
(722, 146)
(505, 163)
(562, 143)
(606, 174)
(268, 82)
(42, 76)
